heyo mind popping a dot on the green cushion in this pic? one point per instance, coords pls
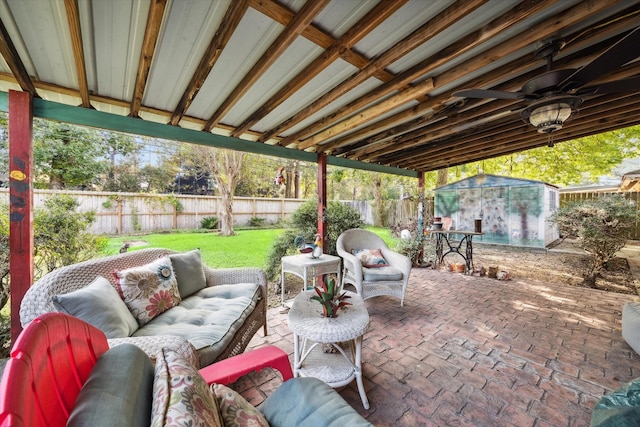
(381, 274)
(118, 391)
(187, 267)
(100, 305)
(309, 402)
(621, 407)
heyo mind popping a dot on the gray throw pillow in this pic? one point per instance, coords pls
(118, 392)
(187, 266)
(100, 305)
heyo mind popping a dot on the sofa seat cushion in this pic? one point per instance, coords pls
(310, 402)
(207, 319)
(122, 382)
(381, 274)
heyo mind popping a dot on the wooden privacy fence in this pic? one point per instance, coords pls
(571, 197)
(126, 213)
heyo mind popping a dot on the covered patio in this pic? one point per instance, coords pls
(379, 86)
(475, 351)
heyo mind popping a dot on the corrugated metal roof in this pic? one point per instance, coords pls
(356, 79)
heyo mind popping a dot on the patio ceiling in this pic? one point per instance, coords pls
(360, 80)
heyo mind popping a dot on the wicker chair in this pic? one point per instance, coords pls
(372, 282)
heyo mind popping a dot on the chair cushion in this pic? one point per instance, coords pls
(207, 319)
(309, 402)
(122, 382)
(381, 274)
(181, 396)
(149, 290)
(371, 258)
(100, 305)
(187, 267)
(621, 407)
(235, 410)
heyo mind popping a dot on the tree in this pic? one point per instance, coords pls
(123, 178)
(577, 161)
(601, 227)
(225, 167)
(66, 155)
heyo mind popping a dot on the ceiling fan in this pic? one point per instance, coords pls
(556, 94)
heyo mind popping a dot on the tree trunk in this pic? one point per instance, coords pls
(377, 195)
(443, 176)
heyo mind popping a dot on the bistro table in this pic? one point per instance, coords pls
(304, 266)
(342, 335)
(455, 246)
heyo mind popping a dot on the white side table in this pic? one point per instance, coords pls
(304, 267)
(343, 334)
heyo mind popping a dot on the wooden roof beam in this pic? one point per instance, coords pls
(511, 134)
(11, 57)
(220, 39)
(363, 27)
(479, 61)
(403, 143)
(73, 18)
(314, 34)
(415, 39)
(301, 21)
(468, 42)
(151, 33)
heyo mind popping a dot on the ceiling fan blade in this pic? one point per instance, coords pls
(625, 50)
(631, 84)
(488, 93)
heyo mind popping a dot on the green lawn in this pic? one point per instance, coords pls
(248, 248)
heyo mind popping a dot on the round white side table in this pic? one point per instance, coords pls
(343, 334)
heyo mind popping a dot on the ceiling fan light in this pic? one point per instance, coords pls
(549, 118)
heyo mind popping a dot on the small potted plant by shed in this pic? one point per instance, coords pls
(329, 297)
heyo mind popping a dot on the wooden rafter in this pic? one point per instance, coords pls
(313, 33)
(411, 42)
(151, 33)
(544, 29)
(363, 27)
(277, 48)
(73, 17)
(220, 39)
(11, 57)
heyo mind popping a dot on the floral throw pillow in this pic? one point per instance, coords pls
(181, 396)
(370, 258)
(149, 290)
(235, 410)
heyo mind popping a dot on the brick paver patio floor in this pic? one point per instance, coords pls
(471, 351)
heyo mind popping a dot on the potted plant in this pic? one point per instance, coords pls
(329, 297)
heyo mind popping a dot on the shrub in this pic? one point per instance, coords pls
(304, 222)
(209, 222)
(601, 227)
(256, 221)
(61, 237)
(414, 248)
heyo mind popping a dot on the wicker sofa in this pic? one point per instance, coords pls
(210, 324)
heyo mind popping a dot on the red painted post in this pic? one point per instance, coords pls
(322, 199)
(21, 202)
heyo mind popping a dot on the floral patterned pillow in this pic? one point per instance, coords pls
(149, 290)
(235, 410)
(370, 258)
(181, 396)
